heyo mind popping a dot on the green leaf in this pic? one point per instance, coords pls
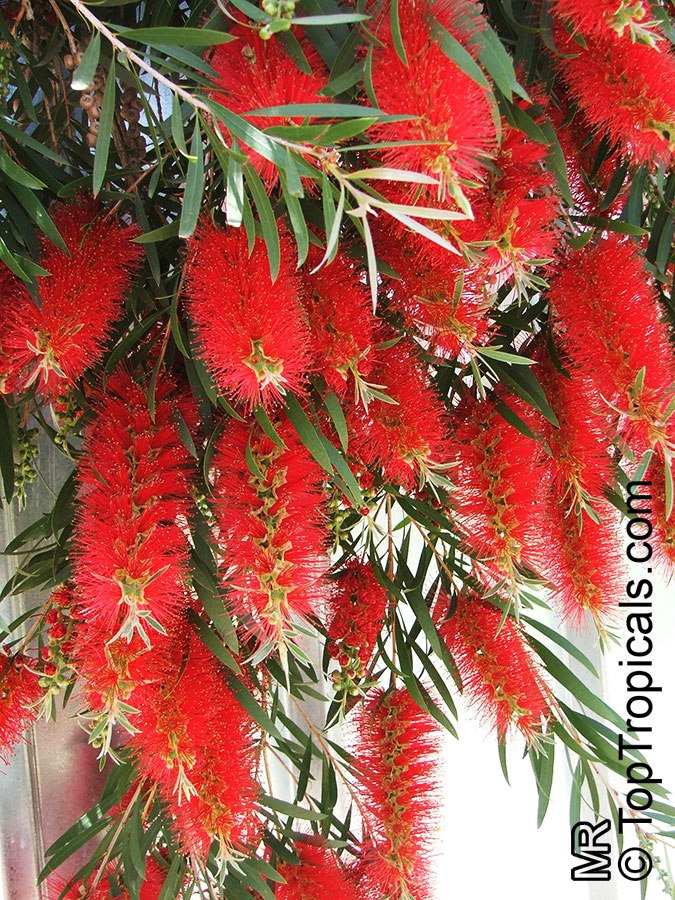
(16, 173)
(334, 19)
(395, 25)
(105, 130)
(307, 432)
(337, 415)
(459, 55)
(6, 451)
(494, 57)
(290, 809)
(177, 129)
(194, 185)
(268, 222)
(84, 74)
(179, 37)
(543, 763)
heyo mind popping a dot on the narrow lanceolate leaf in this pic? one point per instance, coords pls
(105, 131)
(194, 185)
(84, 74)
(179, 37)
(268, 222)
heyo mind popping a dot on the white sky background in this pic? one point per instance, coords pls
(490, 845)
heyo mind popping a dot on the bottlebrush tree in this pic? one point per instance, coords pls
(352, 320)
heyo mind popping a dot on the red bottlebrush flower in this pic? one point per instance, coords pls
(396, 758)
(203, 762)
(608, 18)
(272, 538)
(579, 557)
(497, 667)
(318, 874)
(256, 74)
(49, 347)
(19, 693)
(252, 331)
(342, 324)
(356, 609)
(134, 494)
(495, 487)
(450, 109)
(581, 465)
(607, 310)
(516, 212)
(404, 439)
(151, 888)
(624, 91)
(442, 300)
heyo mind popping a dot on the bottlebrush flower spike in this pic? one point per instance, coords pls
(134, 495)
(443, 301)
(20, 692)
(579, 557)
(50, 346)
(319, 874)
(516, 212)
(151, 889)
(341, 322)
(396, 759)
(496, 666)
(256, 74)
(252, 331)
(607, 311)
(581, 465)
(609, 18)
(624, 91)
(197, 743)
(495, 491)
(356, 609)
(406, 438)
(450, 109)
(269, 510)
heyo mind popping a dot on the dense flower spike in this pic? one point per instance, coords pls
(269, 510)
(19, 694)
(580, 558)
(134, 499)
(496, 666)
(580, 461)
(516, 212)
(252, 73)
(443, 300)
(196, 743)
(50, 346)
(252, 330)
(494, 495)
(606, 307)
(396, 758)
(450, 110)
(608, 18)
(108, 887)
(356, 610)
(624, 91)
(342, 324)
(319, 874)
(404, 439)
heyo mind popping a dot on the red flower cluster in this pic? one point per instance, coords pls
(452, 119)
(496, 666)
(606, 18)
(256, 74)
(403, 436)
(269, 511)
(19, 694)
(494, 494)
(49, 346)
(396, 758)
(108, 886)
(196, 743)
(611, 326)
(623, 89)
(252, 331)
(134, 501)
(443, 301)
(341, 322)
(356, 610)
(319, 874)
